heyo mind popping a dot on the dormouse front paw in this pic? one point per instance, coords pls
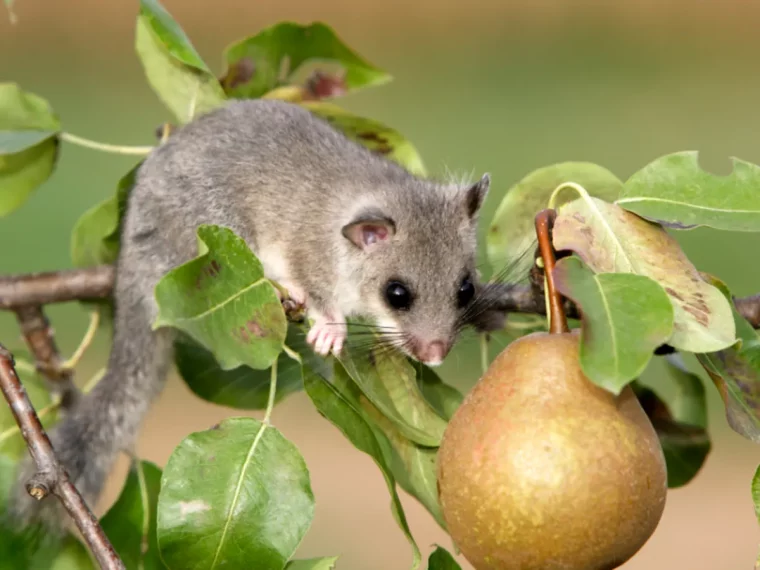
(327, 335)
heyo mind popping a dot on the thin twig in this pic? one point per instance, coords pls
(51, 477)
(93, 283)
(92, 328)
(544, 223)
(38, 335)
(105, 147)
(96, 283)
(272, 393)
(54, 405)
(749, 308)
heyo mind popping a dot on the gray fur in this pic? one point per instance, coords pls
(286, 182)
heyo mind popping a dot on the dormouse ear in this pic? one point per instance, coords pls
(369, 229)
(475, 195)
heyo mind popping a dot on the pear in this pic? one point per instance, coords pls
(539, 469)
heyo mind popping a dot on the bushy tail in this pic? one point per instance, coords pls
(106, 421)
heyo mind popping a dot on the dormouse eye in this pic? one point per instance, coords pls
(398, 296)
(466, 292)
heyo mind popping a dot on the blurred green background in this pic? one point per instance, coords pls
(503, 87)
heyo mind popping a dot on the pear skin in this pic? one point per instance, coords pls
(540, 469)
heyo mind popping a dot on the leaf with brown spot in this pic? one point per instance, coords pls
(610, 239)
(271, 58)
(736, 373)
(238, 73)
(223, 301)
(325, 85)
(370, 133)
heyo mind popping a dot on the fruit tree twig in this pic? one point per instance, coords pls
(95, 283)
(749, 308)
(38, 335)
(544, 222)
(51, 477)
(56, 287)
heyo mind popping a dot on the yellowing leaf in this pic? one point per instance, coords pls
(610, 239)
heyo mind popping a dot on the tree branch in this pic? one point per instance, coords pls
(38, 335)
(749, 308)
(96, 283)
(88, 284)
(51, 477)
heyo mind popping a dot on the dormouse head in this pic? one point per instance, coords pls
(413, 251)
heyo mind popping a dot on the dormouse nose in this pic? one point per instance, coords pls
(432, 353)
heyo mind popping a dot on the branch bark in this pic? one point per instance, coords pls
(96, 283)
(89, 284)
(38, 335)
(51, 477)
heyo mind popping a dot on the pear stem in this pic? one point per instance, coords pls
(544, 222)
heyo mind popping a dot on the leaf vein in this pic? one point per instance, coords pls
(238, 488)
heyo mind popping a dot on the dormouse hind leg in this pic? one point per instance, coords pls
(296, 296)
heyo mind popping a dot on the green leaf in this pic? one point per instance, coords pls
(223, 301)
(73, 556)
(244, 388)
(684, 446)
(388, 380)
(28, 145)
(413, 466)
(327, 563)
(689, 403)
(440, 559)
(96, 235)
(625, 317)
(233, 496)
(128, 525)
(735, 371)
(513, 226)
(334, 406)
(372, 134)
(674, 191)
(174, 69)
(444, 398)
(611, 240)
(258, 64)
